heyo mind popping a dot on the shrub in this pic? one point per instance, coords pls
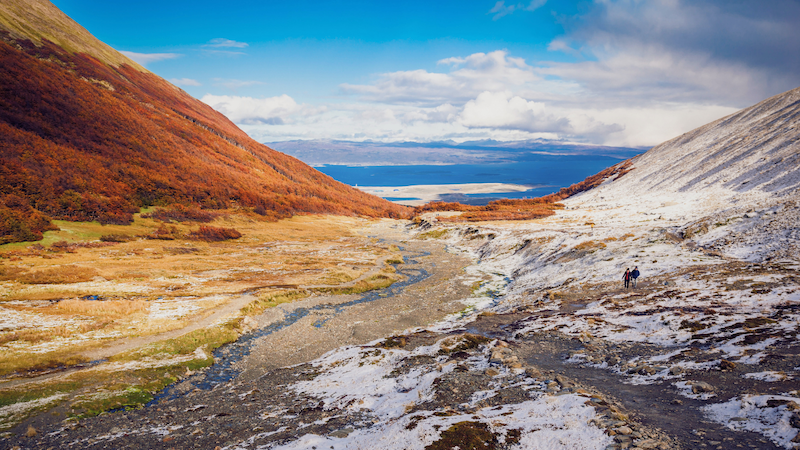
(164, 233)
(116, 238)
(214, 234)
(181, 213)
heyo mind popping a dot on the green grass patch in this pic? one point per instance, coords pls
(148, 382)
(12, 362)
(336, 278)
(273, 299)
(433, 234)
(379, 281)
(209, 338)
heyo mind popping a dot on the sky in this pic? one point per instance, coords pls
(625, 73)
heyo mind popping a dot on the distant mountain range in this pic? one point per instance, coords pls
(88, 134)
(322, 152)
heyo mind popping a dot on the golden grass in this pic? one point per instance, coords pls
(59, 275)
(34, 335)
(106, 308)
(21, 361)
(433, 234)
(303, 250)
(590, 245)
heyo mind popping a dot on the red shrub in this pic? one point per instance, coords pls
(214, 234)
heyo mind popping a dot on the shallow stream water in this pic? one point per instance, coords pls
(227, 357)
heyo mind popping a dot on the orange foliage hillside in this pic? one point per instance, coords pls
(84, 140)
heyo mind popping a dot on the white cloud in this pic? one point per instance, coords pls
(506, 111)
(249, 110)
(147, 58)
(227, 43)
(184, 82)
(500, 9)
(494, 71)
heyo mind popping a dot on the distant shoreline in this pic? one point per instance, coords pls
(420, 194)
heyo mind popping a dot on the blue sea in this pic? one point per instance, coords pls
(544, 173)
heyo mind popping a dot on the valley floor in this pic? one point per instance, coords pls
(540, 347)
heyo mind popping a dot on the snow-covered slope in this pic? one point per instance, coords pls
(756, 150)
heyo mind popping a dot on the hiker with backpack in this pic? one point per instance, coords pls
(635, 275)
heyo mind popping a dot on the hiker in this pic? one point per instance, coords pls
(627, 277)
(635, 275)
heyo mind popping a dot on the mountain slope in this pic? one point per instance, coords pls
(88, 135)
(754, 152)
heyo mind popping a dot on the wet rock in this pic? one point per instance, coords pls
(794, 421)
(533, 372)
(700, 387)
(647, 370)
(343, 433)
(563, 381)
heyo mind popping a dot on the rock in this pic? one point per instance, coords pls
(31, 431)
(677, 402)
(726, 365)
(647, 443)
(675, 370)
(647, 370)
(492, 372)
(248, 324)
(699, 387)
(624, 430)
(533, 372)
(563, 381)
(794, 421)
(343, 433)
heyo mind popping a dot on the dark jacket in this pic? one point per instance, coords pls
(635, 273)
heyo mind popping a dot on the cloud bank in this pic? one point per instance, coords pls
(623, 72)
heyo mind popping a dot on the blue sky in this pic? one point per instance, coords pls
(622, 72)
